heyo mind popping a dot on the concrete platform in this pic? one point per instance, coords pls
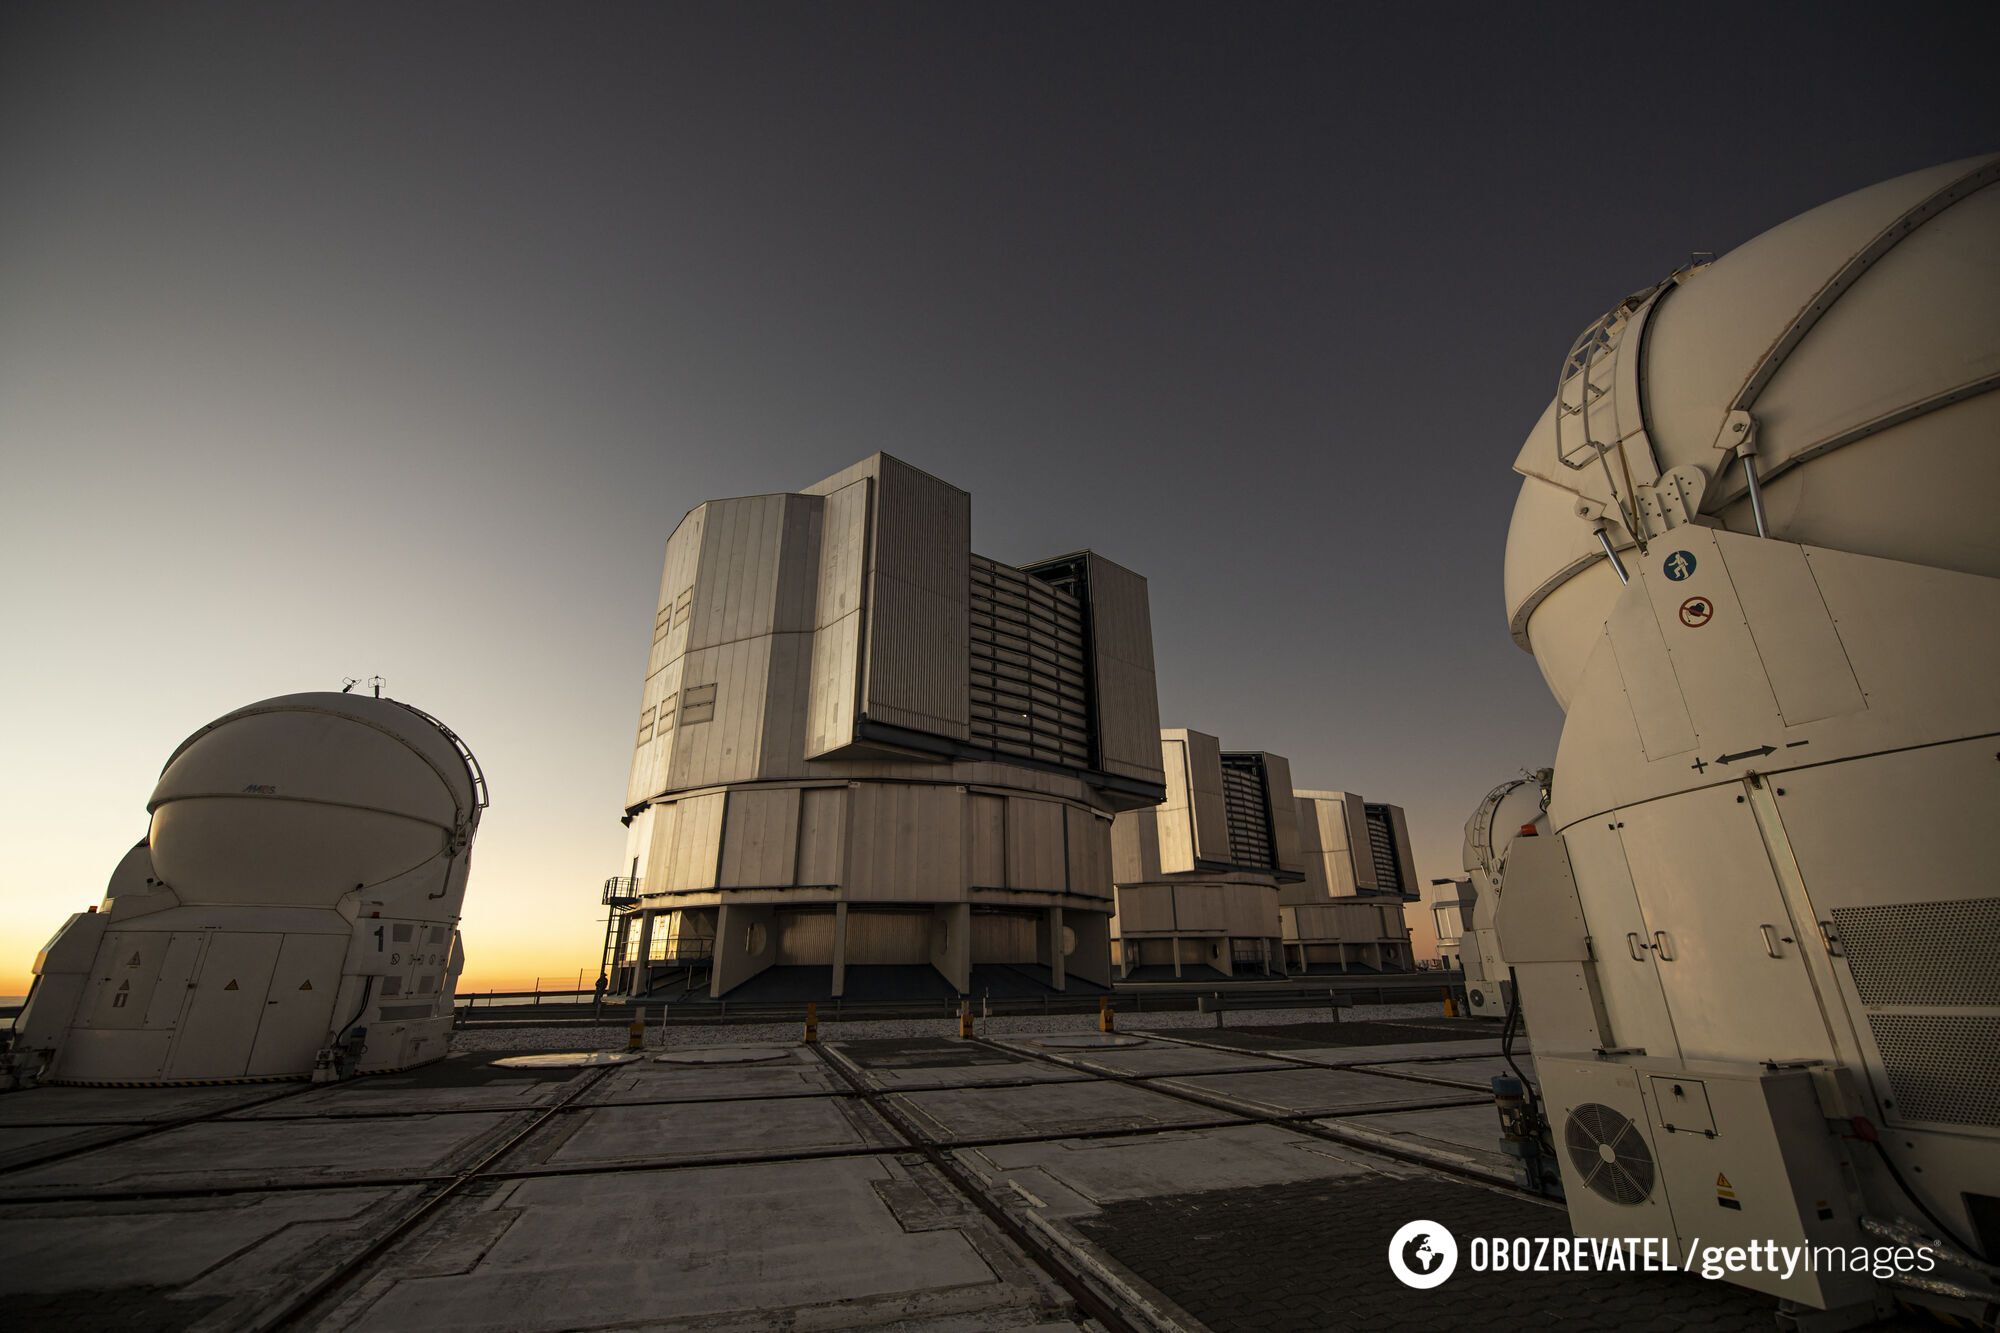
(909, 1185)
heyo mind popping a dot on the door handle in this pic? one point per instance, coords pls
(1632, 942)
(1771, 941)
(1663, 945)
(1831, 940)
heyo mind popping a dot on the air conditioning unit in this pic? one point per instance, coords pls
(1719, 1154)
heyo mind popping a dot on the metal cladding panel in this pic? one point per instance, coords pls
(760, 838)
(1145, 907)
(1135, 847)
(1128, 703)
(1173, 818)
(1201, 907)
(1089, 844)
(837, 641)
(1202, 754)
(1285, 849)
(1251, 910)
(1360, 859)
(736, 586)
(916, 661)
(822, 856)
(1036, 858)
(720, 720)
(985, 841)
(688, 847)
(907, 843)
(888, 937)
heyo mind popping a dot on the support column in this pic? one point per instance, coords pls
(612, 982)
(642, 967)
(839, 950)
(1177, 956)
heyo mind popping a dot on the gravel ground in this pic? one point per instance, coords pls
(681, 1034)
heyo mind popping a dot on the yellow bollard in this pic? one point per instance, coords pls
(1104, 1019)
(812, 1020)
(635, 1035)
(965, 1018)
(1450, 1007)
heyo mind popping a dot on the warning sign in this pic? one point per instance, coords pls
(1725, 1193)
(134, 962)
(1696, 612)
(118, 1000)
(306, 984)
(232, 985)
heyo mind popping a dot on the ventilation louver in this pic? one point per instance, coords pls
(1609, 1153)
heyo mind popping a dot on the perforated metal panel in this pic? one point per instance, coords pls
(1943, 1067)
(1923, 953)
(1246, 807)
(1382, 849)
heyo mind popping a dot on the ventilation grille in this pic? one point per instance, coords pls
(1382, 847)
(1609, 1153)
(1028, 691)
(1247, 812)
(1944, 1068)
(1923, 953)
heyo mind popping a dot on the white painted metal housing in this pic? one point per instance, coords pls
(299, 888)
(1755, 555)
(862, 745)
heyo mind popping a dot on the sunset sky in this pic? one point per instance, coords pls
(350, 339)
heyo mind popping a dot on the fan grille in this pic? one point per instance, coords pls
(1625, 1174)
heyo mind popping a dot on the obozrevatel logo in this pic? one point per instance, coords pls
(1422, 1254)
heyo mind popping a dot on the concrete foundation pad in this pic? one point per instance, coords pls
(725, 1055)
(125, 1106)
(1087, 1041)
(644, 1133)
(196, 1264)
(857, 1242)
(1476, 1072)
(1463, 1137)
(1293, 1091)
(1073, 1177)
(251, 1154)
(653, 1082)
(1051, 1108)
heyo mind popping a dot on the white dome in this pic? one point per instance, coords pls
(300, 799)
(1874, 431)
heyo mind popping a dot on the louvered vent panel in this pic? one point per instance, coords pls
(1382, 849)
(1244, 807)
(1028, 687)
(1923, 953)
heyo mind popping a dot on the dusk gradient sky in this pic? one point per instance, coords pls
(339, 339)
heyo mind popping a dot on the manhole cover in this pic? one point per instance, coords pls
(569, 1060)
(1086, 1040)
(724, 1055)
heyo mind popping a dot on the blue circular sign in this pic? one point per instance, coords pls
(1679, 565)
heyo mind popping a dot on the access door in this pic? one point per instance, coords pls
(300, 1004)
(1730, 959)
(226, 1005)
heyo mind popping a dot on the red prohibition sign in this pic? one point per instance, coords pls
(1696, 612)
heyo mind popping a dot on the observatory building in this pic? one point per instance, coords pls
(1755, 557)
(292, 909)
(1346, 915)
(872, 763)
(1198, 875)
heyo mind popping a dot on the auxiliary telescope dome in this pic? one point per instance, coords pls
(1858, 339)
(300, 799)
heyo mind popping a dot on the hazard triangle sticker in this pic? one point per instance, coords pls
(231, 986)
